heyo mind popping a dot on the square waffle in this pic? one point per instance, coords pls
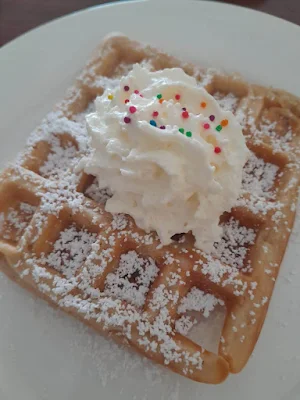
(61, 244)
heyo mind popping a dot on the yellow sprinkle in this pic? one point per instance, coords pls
(110, 97)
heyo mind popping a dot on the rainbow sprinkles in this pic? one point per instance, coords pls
(185, 115)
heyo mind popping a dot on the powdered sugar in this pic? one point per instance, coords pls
(132, 279)
(259, 177)
(233, 246)
(59, 161)
(228, 101)
(14, 221)
(197, 300)
(82, 258)
(99, 195)
(258, 186)
(267, 130)
(70, 250)
(57, 124)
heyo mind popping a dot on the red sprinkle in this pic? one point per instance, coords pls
(141, 95)
(126, 88)
(132, 109)
(136, 91)
(127, 120)
(217, 150)
(177, 96)
(162, 127)
(206, 126)
(185, 114)
(183, 108)
(155, 114)
(126, 101)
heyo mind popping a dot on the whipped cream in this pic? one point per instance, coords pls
(171, 156)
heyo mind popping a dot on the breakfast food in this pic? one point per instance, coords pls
(61, 243)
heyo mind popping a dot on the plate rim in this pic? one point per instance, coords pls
(117, 3)
(114, 4)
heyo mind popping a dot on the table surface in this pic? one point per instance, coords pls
(18, 16)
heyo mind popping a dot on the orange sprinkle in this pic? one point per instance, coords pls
(161, 100)
(224, 122)
(203, 104)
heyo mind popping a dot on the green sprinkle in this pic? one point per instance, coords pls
(159, 96)
(181, 130)
(219, 128)
(189, 134)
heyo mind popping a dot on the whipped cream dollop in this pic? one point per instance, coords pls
(171, 156)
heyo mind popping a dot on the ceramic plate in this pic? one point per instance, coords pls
(45, 354)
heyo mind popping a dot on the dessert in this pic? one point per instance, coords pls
(60, 242)
(171, 156)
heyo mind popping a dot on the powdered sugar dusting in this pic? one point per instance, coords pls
(70, 251)
(132, 279)
(228, 101)
(259, 177)
(82, 258)
(14, 221)
(99, 195)
(233, 246)
(197, 300)
(59, 161)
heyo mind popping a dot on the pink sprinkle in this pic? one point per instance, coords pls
(141, 95)
(132, 109)
(212, 117)
(127, 120)
(177, 96)
(136, 91)
(126, 88)
(206, 126)
(162, 127)
(155, 114)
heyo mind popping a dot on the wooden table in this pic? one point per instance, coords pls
(18, 16)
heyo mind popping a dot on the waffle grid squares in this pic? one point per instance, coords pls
(180, 267)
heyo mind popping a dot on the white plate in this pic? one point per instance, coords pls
(43, 353)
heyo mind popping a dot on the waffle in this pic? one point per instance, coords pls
(61, 244)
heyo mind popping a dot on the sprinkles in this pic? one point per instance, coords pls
(224, 122)
(127, 120)
(110, 97)
(184, 114)
(132, 109)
